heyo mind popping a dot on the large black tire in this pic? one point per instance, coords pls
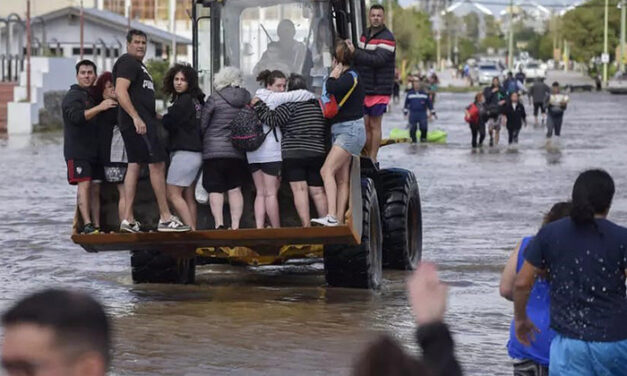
(158, 267)
(359, 266)
(401, 217)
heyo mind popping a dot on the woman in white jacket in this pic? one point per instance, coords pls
(265, 162)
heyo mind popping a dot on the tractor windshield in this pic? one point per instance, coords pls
(293, 36)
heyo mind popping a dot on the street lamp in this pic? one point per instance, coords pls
(510, 55)
(621, 61)
(605, 54)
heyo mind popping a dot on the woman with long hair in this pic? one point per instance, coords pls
(110, 143)
(585, 257)
(347, 131)
(265, 162)
(183, 123)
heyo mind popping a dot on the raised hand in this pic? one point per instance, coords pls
(427, 294)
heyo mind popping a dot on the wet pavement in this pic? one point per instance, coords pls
(283, 320)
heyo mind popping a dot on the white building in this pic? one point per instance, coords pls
(58, 33)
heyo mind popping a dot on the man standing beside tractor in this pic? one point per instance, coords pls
(375, 62)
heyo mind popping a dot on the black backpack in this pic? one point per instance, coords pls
(246, 129)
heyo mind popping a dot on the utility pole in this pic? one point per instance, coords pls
(438, 52)
(28, 48)
(128, 9)
(623, 12)
(82, 29)
(172, 15)
(605, 45)
(510, 55)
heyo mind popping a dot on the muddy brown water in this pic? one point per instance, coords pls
(284, 320)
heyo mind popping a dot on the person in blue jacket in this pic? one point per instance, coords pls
(419, 107)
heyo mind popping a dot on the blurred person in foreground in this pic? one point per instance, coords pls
(585, 259)
(427, 297)
(56, 333)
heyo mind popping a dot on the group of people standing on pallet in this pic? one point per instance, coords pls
(500, 105)
(111, 130)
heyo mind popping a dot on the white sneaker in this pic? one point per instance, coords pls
(172, 225)
(126, 226)
(329, 221)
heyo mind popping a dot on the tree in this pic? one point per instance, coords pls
(414, 38)
(467, 49)
(157, 69)
(583, 28)
(493, 37)
(471, 20)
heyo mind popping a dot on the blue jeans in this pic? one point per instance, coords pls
(577, 358)
(413, 125)
(349, 135)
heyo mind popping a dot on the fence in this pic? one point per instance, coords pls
(10, 67)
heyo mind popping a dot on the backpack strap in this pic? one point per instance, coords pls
(348, 94)
(227, 102)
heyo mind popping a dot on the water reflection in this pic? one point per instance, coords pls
(272, 320)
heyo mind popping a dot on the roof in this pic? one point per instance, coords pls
(117, 21)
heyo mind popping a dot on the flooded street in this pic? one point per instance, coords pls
(283, 320)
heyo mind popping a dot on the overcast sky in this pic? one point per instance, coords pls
(498, 5)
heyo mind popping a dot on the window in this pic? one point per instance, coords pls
(143, 9)
(149, 9)
(116, 6)
(86, 51)
(251, 39)
(204, 53)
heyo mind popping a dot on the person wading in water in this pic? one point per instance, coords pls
(585, 258)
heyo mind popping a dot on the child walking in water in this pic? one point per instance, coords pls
(514, 111)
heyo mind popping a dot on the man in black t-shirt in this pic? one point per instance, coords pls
(138, 124)
(80, 143)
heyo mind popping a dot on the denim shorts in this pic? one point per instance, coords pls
(350, 135)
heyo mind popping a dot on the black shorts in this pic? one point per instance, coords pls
(81, 170)
(269, 168)
(304, 169)
(143, 148)
(223, 174)
(538, 106)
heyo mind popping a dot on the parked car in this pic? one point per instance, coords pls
(618, 84)
(534, 71)
(486, 72)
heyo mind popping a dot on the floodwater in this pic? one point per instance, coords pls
(283, 320)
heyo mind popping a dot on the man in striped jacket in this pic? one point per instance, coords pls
(375, 63)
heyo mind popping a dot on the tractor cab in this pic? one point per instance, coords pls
(293, 36)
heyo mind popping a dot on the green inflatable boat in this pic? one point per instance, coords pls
(436, 136)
